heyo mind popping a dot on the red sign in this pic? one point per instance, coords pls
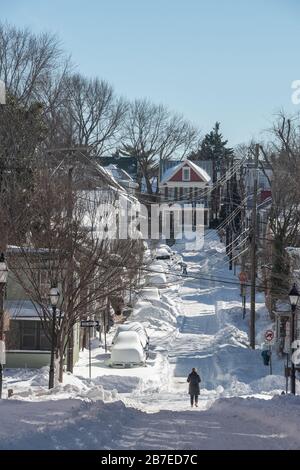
(269, 335)
(243, 277)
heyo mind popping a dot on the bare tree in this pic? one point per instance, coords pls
(27, 60)
(43, 246)
(94, 113)
(34, 69)
(152, 133)
(282, 155)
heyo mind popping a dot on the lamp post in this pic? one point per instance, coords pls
(294, 298)
(3, 281)
(54, 297)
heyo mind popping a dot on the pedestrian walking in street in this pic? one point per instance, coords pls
(194, 387)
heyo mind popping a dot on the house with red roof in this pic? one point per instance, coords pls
(186, 183)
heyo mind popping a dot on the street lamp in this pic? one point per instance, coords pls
(3, 281)
(294, 298)
(54, 297)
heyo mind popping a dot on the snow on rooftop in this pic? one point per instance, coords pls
(22, 309)
(168, 173)
(171, 171)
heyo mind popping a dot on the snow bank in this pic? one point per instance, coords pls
(33, 386)
(229, 424)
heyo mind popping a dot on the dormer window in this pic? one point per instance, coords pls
(186, 174)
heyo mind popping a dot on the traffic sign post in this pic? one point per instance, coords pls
(89, 324)
(2, 362)
(269, 336)
(243, 289)
(243, 277)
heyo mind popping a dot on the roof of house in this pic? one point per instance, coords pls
(172, 171)
(120, 175)
(23, 309)
(117, 172)
(128, 164)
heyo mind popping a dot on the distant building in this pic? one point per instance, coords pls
(128, 164)
(167, 164)
(122, 177)
(186, 183)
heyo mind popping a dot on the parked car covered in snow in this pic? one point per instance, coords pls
(166, 247)
(156, 267)
(156, 279)
(134, 326)
(162, 253)
(150, 293)
(127, 350)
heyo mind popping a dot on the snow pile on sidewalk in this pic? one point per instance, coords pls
(33, 386)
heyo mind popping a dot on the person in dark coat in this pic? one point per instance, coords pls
(194, 387)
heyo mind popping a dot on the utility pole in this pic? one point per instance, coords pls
(227, 215)
(232, 223)
(253, 267)
(70, 279)
(1, 333)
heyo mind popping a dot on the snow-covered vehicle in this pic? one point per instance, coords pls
(162, 253)
(134, 326)
(156, 279)
(150, 293)
(156, 268)
(127, 350)
(166, 247)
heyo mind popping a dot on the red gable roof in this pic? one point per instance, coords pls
(179, 175)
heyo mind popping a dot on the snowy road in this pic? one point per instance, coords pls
(211, 336)
(197, 323)
(73, 424)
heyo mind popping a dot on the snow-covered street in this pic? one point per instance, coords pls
(196, 323)
(74, 424)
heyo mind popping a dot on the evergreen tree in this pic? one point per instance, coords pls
(213, 148)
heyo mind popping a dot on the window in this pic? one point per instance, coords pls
(186, 174)
(27, 335)
(45, 344)
(186, 193)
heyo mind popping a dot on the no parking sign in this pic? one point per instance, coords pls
(269, 335)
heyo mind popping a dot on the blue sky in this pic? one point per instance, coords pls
(227, 60)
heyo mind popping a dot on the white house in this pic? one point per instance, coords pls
(186, 183)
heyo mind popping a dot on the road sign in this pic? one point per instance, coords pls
(269, 335)
(89, 323)
(243, 277)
